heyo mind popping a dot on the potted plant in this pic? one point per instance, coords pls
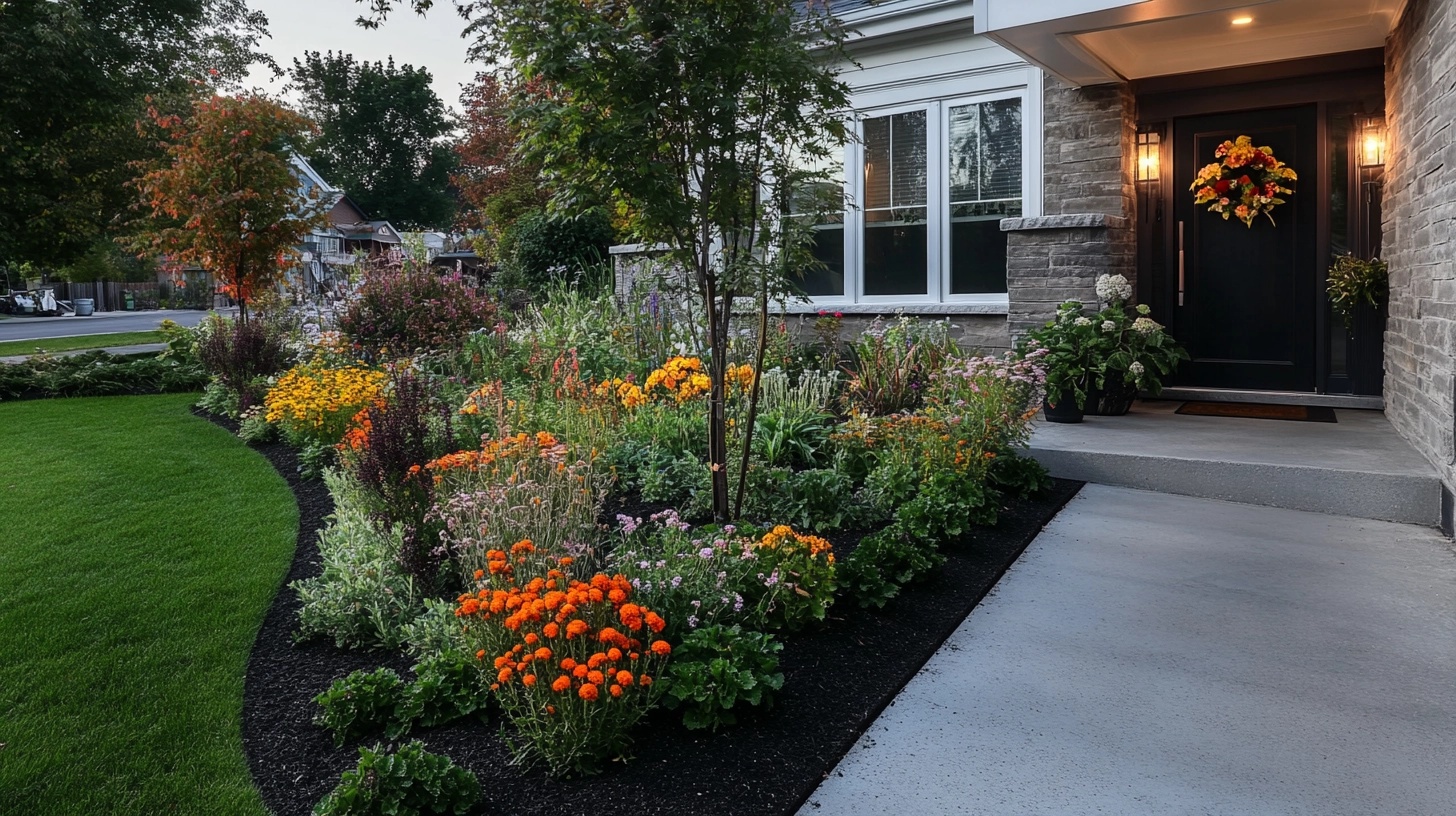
(1135, 350)
(1073, 361)
(1354, 282)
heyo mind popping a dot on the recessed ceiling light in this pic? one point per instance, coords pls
(1242, 20)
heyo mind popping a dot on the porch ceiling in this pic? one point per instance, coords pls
(1089, 42)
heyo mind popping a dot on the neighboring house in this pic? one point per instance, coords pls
(433, 242)
(331, 252)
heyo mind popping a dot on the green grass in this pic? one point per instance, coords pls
(15, 348)
(141, 547)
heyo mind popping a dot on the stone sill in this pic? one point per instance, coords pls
(636, 249)
(890, 309)
(1073, 221)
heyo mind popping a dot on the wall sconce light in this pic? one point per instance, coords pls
(1371, 133)
(1149, 144)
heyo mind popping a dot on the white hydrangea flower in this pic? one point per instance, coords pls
(1113, 288)
(1109, 326)
(1142, 309)
(1146, 325)
(1083, 321)
(1136, 368)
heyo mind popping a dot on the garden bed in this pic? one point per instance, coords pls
(838, 679)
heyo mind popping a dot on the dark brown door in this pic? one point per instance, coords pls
(1247, 313)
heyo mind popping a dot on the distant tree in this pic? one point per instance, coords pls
(76, 74)
(382, 136)
(225, 196)
(497, 185)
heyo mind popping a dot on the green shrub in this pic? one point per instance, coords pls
(434, 632)
(363, 599)
(884, 562)
(547, 249)
(98, 374)
(946, 507)
(409, 781)
(447, 687)
(364, 703)
(1019, 476)
(718, 669)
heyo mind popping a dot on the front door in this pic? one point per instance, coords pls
(1245, 297)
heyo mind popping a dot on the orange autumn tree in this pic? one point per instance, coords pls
(225, 196)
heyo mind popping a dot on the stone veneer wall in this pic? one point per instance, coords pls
(1088, 203)
(1419, 214)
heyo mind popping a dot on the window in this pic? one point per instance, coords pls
(935, 181)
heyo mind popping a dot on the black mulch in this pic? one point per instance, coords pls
(837, 680)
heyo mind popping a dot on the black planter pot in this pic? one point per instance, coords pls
(1065, 410)
(1114, 400)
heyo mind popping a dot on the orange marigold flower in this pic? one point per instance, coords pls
(617, 596)
(608, 635)
(614, 654)
(595, 677)
(543, 653)
(580, 671)
(499, 661)
(561, 684)
(661, 647)
(531, 638)
(624, 677)
(550, 709)
(505, 675)
(528, 680)
(587, 692)
(655, 622)
(551, 630)
(644, 680)
(596, 660)
(576, 627)
(616, 690)
(568, 663)
(480, 655)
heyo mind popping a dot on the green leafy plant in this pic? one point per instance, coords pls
(403, 783)
(1074, 353)
(1135, 349)
(1019, 476)
(718, 669)
(447, 687)
(1353, 281)
(791, 438)
(364, 703)
(548, 249)
(884, 562)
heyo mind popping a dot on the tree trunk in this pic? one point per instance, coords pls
(753, 396)
(717, 415)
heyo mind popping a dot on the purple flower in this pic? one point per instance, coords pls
(705, 553)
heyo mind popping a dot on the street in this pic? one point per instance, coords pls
(35, 328)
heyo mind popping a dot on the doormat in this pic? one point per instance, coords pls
(1259, 410)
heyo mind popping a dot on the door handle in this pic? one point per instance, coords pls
(1180, 263)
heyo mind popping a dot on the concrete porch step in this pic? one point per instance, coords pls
(1358, 466)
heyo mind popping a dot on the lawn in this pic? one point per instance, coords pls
(141, 548)
(15, 348)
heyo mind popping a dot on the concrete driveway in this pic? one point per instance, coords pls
(1158, 654)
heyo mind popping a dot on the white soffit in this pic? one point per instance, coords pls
(1162, 37)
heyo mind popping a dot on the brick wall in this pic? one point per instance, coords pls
(1088, 202)
(1419, 213)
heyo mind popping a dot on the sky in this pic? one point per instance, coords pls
(432, 41)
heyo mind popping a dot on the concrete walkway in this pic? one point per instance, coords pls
(1159, 654)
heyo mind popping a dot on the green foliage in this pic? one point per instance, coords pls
(241, 354)
(1074, 354)
(821, 499)
(447, 687)
(435, 632)
(364, 703)
(947, 505)
(97, 374)
(884, 562)
(400, 310)
(1019, 476)
(791, 438)
(363, 598)
(717, 669)
(1353, 281)
(548, 249)
(382, 137)
(407, 782)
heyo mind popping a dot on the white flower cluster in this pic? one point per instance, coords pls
(1109, 326)
(1083, 321)
(1113, 289)
(1135, 368)
(1146, 325)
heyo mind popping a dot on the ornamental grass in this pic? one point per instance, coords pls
(574, 662)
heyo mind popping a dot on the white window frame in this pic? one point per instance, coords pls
(933, 97)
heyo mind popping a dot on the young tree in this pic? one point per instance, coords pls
(698, 116)
(382, 136)
(226, 197)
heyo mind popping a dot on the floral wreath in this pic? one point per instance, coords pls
(1245, 182)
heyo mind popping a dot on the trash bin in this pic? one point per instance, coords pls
(85, 307)
(128, 301)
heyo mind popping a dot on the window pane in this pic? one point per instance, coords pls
(828, 250)
(978, 247)
(983, 160)
(896, 192)
(820, 200)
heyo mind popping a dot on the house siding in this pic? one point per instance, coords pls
(1087, 148)
(1418, 215)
